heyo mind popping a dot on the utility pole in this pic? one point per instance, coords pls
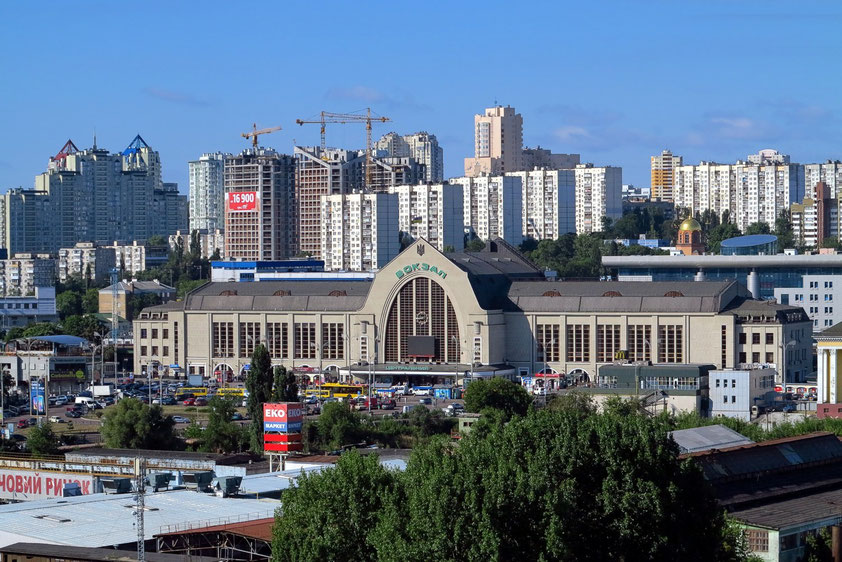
(115, 279)
(140, 507)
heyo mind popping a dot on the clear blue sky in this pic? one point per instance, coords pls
(614, 81)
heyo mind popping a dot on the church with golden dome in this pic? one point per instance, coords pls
(690, 241)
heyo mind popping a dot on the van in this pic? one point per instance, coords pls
(410, 407)
(85, 400)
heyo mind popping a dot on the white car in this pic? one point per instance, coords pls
(180, 419)
(422, 392)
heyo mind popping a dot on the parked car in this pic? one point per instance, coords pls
(189, 401)
(184, 396)
(108, 400)
(180, 419)
(23, 424)
(62, 400)
(73, 414)
(388, 405)
(33, 421)
(56, 419)
(168, 401)
(421, 392)
(237, 416)
(314, 409)
(200, 401)
(454, 409)
(427, 400)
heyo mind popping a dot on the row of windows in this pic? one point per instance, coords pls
(638, 343)
(755, 338)
(813, 298)
(815, 284)
(165, 333)
(165, 350)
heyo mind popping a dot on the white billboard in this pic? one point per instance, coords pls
(37, 485)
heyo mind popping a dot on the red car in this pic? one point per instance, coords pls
(189, 401)
(23, 424)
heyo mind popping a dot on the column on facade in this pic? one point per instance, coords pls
(833, 353)
(821, 378)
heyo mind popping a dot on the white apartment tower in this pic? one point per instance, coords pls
(498, 142)
(260, 205)
(432, 212)
(207, 192)
(318, 173)
(750, 193)
(598, 196)
(422, 147)
(663, 175)
(549, 203)
(359, 231)
(493, 207)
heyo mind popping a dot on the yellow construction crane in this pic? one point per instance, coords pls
(344, 118)
(257, 132)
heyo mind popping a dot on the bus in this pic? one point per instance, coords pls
(241, 392)
(194, 390)
(336, 390)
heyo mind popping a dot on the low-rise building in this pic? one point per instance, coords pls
(819, 295)
(20, 311)
(222, 271)
(210, 243)
(20, 274)
(733, 392)
(86, 260)
(156, 291)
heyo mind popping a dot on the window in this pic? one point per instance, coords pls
(724, 383)
(755, 338)
(742, 338)
(143, 351)
(724, 346)
(249, 338)
(278, 339)
(607, 342)
(548, 342)
(154, 351)
(175, 339)
(578, 343)
(222, 339)
(165, 333)
(477, 349)
(770, 357)
(670, 344)
(742, 358)
(305, 340)
(770, 338)
(717, 383)
(755, 357)
(143, 333)
(733, 399)
(638, 342)
(757, 540)
(166, 351)
(154, 333)
(724, 399)
(333, 340)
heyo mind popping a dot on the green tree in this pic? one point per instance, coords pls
(784, 230)
(42, 440)
(331, 514)
(499, 393)
(284, 386)
(819, 547)
(68, 303)
(131, 424)
(758, 228)
(831, 242)
(337, 426)
(81, 326)
(475, 245)
(90, 301)
(221, 434)
(40, 329)
(259, 386)
(719, 233)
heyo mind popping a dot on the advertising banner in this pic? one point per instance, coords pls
(240, 201)
(37, 403)
(285, 417)
(35, 485)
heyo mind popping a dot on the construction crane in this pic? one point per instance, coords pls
(345, 118)
(257, 132)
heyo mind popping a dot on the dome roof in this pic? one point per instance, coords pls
(690, 224)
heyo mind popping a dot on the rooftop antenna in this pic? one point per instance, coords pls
(94, 138)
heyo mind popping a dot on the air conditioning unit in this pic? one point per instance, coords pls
(116, 485)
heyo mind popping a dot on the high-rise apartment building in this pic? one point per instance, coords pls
(422, 147)
(318, 173)
(207, 192)
(19, 275)
(750, 193)
(359, 231)
(260, 211)
(598, 196)
(93, 195)
(549, 202)
(391, 171)
(493, 207)
(815, 218)
(542, 158)
(498, 142)
(432, 212)
(86, 260)
(829, 172)
(768, 156)
(663, 175)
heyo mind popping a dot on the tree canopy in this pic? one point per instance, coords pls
(498, 393)
(259, 386)
(284, 386)
(131, 424)
(222, 435)
(43, 440)
(551, 486)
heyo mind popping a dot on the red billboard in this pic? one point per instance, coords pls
(282, 426)
(239, 201)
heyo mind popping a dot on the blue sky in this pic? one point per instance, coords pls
(613, 81)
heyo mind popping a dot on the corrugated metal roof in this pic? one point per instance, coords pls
(824, 508)
(105, 554)
(259, 529)
(708, 437)
(104, 520)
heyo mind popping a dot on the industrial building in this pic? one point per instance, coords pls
(433, 317)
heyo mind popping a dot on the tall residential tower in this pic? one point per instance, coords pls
(207, 192)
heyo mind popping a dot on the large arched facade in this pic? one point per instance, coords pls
(421, 307)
